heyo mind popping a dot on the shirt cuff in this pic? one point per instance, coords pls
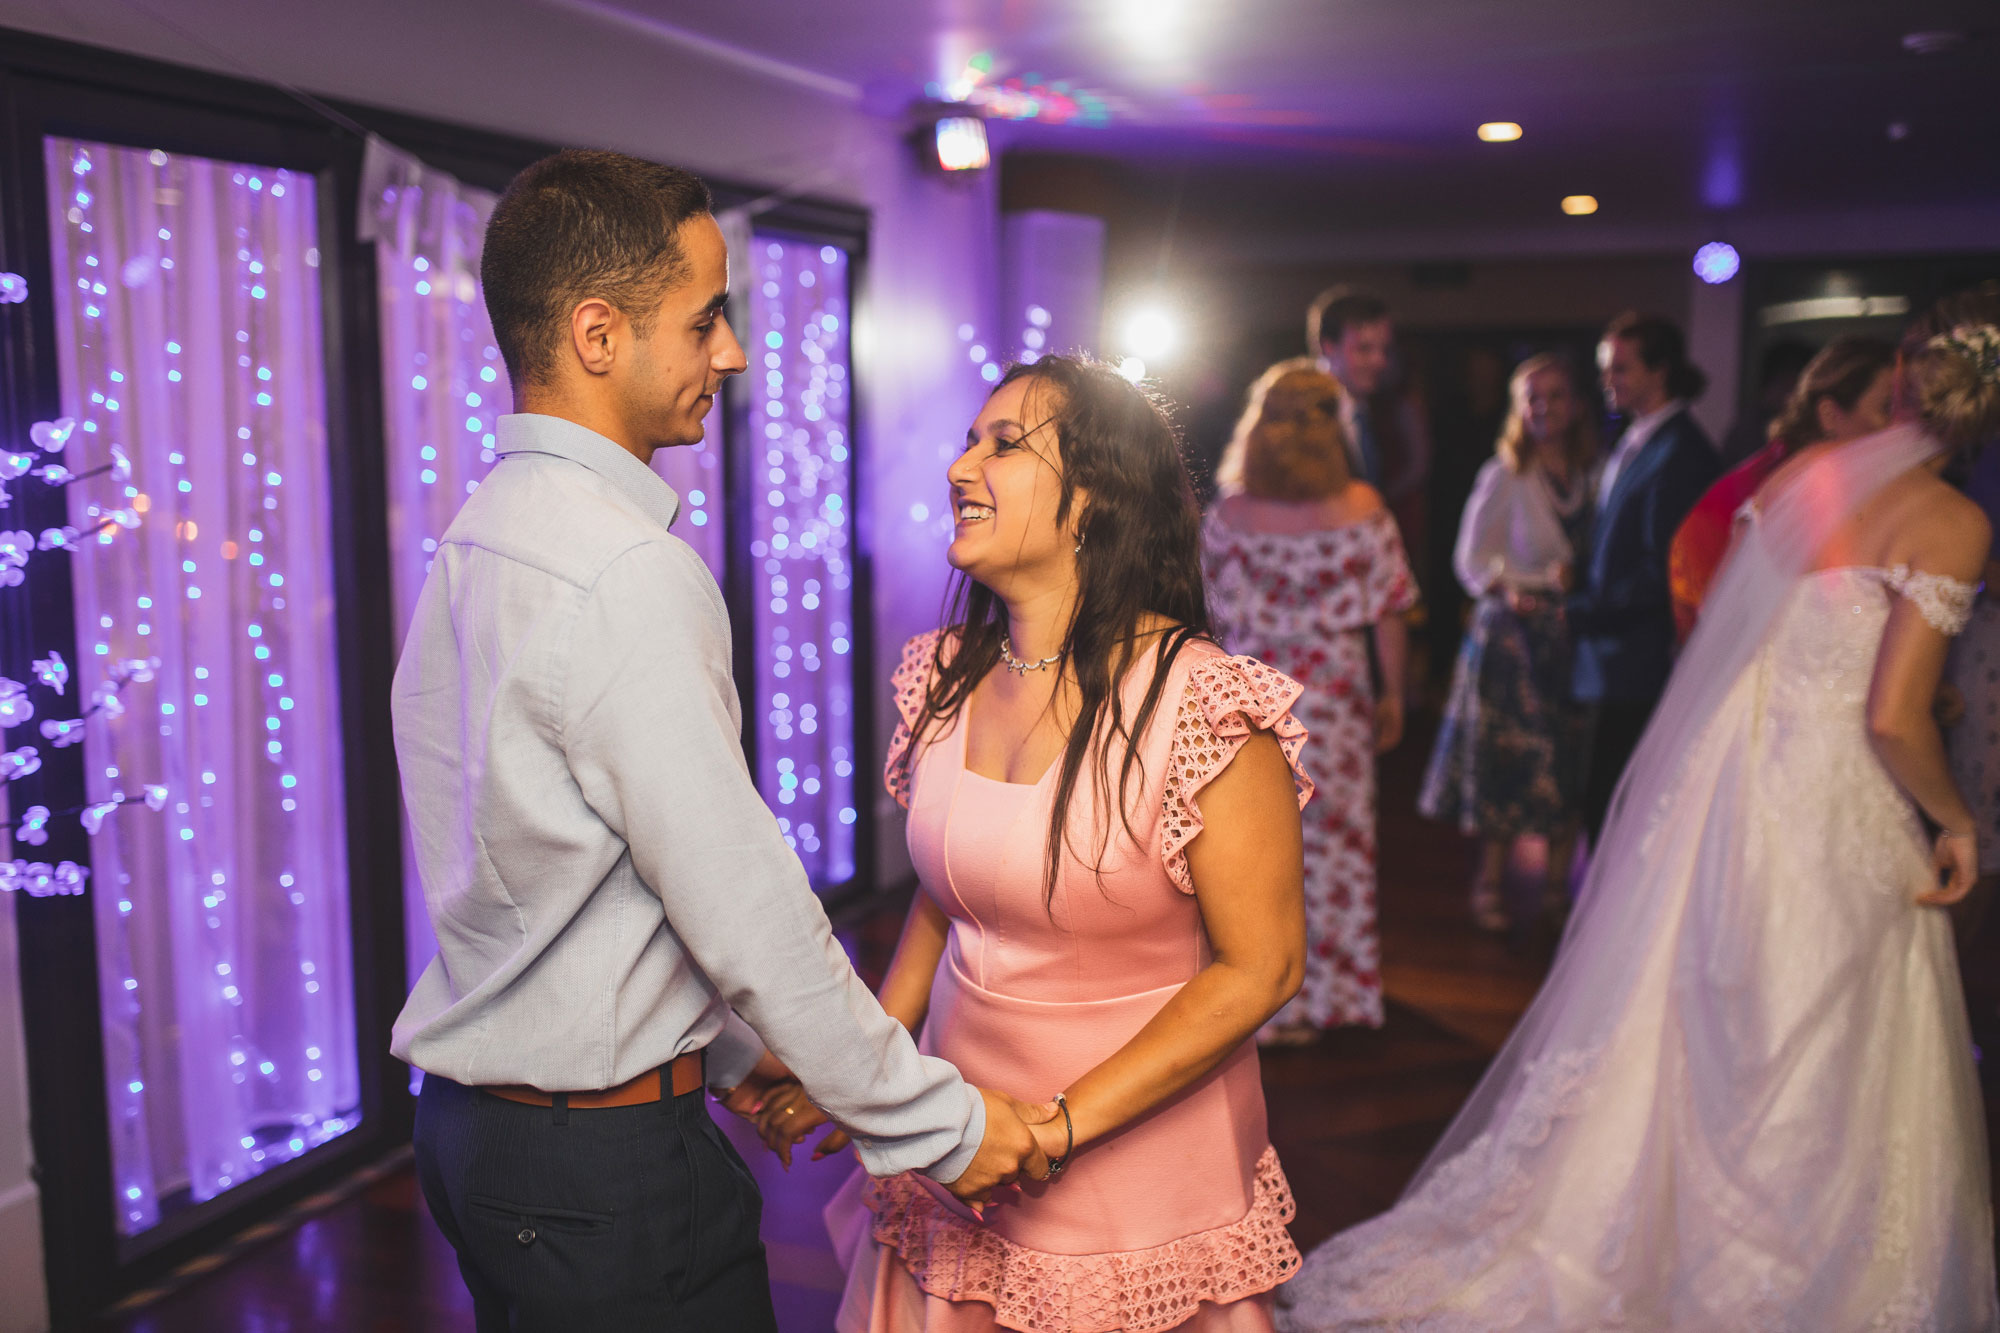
(954, 1165)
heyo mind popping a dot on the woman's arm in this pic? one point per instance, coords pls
(1901, 723)
(1478, 556)
(1392, 653)
(1248, 866)
(906, 990)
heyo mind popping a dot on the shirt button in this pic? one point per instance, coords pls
(526, 1236)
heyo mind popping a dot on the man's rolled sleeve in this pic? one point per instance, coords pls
(650, 728)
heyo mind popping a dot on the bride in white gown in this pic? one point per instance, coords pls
(1745, 1097)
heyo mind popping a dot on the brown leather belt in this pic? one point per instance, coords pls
(684, 1075)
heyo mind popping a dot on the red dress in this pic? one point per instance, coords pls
(1704, 534)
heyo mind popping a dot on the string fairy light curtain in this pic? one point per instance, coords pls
(801, 545)
(444, 388)
(189, 332)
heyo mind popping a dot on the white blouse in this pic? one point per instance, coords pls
(1512, 534)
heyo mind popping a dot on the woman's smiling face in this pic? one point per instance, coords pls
(1006, 489)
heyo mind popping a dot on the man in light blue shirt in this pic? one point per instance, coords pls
(614, 904)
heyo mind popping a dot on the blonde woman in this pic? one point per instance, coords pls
(1506, 760)
(1304, 566)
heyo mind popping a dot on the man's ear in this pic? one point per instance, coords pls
(595, 331)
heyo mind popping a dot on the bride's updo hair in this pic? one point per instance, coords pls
(1951, 367)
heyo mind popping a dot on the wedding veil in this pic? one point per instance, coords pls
(1674, 780)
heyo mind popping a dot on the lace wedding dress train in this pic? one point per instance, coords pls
(1745, 1098)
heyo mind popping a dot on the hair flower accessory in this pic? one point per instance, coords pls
(1977, 343)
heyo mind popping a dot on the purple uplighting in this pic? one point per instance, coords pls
(800, 477)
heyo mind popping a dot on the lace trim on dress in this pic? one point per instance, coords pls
(1135, 1291)
(1399, 1269)
(910, 681)
(1227, 698)
(1945, 602)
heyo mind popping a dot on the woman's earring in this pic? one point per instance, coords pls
(1079, 544)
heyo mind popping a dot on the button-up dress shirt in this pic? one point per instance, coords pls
(606, 883)
(1641, 430)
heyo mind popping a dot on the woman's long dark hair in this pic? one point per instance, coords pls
(1141, 534)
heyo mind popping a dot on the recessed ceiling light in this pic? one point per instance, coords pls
(1579, 205)
(1499, 131)
(1899, 130)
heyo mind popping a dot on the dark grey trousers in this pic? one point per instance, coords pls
(625, 1219)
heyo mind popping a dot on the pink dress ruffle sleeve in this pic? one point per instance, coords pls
(1178, 1220)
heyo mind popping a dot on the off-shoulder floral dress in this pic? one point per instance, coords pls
(1303, 603)
(1177, 1221)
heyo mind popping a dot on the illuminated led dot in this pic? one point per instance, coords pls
(419, 383)
(488, 374)
(427, 476)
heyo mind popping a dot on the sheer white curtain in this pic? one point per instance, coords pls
(444, 385)
(188, 324)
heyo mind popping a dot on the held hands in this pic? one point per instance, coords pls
(1956, 862)
(1010, 1150)
(1020, 1136)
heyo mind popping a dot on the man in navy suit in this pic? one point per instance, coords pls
(1621, 617)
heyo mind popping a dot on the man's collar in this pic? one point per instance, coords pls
(535, 433)
(1643, 428)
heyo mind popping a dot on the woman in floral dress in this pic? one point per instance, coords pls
(1506, 763)
(1303, 561)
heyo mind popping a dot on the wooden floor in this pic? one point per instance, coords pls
(1352, 1118)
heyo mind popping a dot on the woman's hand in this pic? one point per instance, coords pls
(1388, 723)
(787, 1117)
(1956, 861)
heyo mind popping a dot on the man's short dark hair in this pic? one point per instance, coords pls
(1661, 344)
(1336, 308)
(582, 223)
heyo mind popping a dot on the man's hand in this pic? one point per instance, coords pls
(1009, 1150)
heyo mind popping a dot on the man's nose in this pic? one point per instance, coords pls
(729, 357)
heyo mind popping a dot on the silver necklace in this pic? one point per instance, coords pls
(1016, 665)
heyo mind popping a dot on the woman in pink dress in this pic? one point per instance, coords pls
(1104, 814)
(1303, 562)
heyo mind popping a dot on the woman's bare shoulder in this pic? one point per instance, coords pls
(1938, 529)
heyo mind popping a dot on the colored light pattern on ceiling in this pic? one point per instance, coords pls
(188, 328)
(799, 474)
(1020, 97)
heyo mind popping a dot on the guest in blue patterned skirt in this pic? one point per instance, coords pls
(1507, 759)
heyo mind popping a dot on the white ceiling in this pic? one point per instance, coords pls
(1367, 107)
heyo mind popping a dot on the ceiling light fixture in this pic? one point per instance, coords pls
(958, 143)
(1499, 131)
(1579, 205)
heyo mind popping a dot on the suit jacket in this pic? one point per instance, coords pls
(1621, 614)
